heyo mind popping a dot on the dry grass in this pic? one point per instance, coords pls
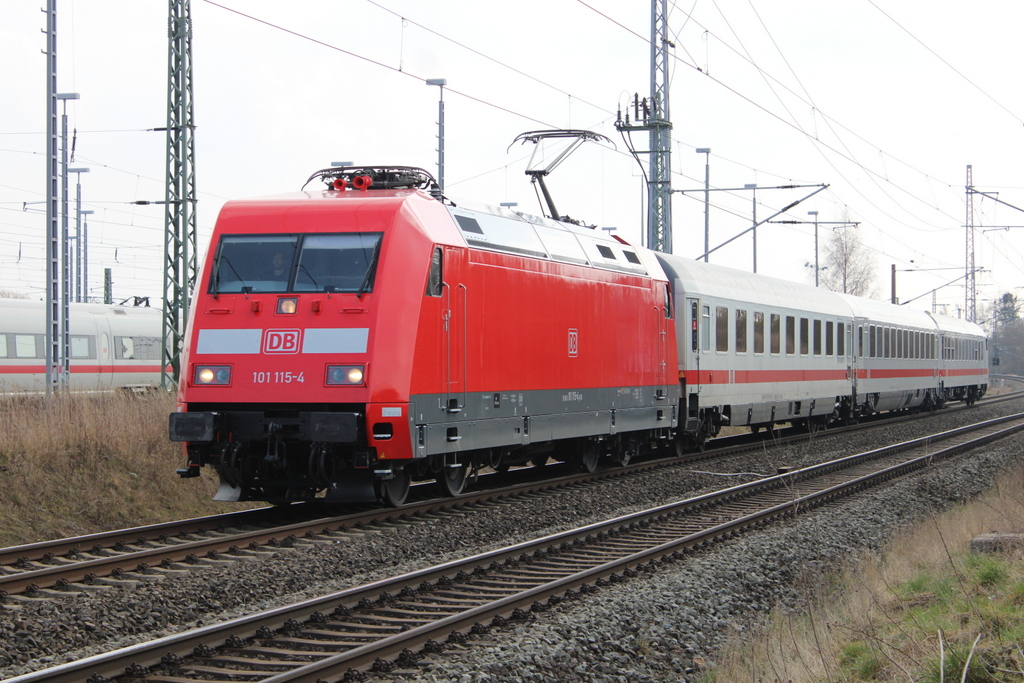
(918, 613)
(74, 465)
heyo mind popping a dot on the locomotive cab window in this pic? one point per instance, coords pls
(435, 280)
(345, 262)
(329, 262)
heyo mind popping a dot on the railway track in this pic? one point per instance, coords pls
(391, 623)
(147, 553)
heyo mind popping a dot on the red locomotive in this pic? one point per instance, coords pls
(348, 341)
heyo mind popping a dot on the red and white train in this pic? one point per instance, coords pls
(112, 347)
(347, 341)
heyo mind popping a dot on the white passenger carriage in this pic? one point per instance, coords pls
(112, 347)
(963, 372)
(894, 356)
(754, 351)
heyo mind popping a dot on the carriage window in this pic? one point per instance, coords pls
(27, 346)
(137, 348)
(804, 337)
(3, 346)
(817, 337)
(83, 347)
(840, 340)
(871, 341)
(693, 325)
(721, 328)
(898, 344)
(829, 339)
(705, 339)
(758, 332)
(776, 332)
(790, 334)
(741, 331)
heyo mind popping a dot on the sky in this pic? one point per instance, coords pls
(886, 102)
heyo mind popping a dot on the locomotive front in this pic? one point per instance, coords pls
(295, 380)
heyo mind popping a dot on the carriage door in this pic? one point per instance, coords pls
(454, 330)
(854, 349)
(104, 352)
(691, 367)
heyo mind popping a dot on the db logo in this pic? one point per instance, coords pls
(281, 341)
(574, 343)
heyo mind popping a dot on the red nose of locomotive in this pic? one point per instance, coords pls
(279, 391)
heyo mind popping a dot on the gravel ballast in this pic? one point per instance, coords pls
(665, 626)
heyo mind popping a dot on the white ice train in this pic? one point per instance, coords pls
(755, 351)
(112, 347)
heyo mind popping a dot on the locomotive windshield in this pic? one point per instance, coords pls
(332, 262)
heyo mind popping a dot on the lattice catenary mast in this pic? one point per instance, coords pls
(656, 120)
(970, 290)
(180, 197)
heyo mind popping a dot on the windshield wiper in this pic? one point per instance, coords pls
(316, 286)
(371, 270)
(216, 282)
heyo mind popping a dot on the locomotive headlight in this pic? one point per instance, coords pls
(287, 305)
(345, 375)
(212, 375)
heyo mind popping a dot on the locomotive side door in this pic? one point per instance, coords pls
(454, 312)
(662, 319)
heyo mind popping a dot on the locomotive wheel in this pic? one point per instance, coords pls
(394, 491)
(588, 459)
(452, 480)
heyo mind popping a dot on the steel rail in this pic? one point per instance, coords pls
(179, 554)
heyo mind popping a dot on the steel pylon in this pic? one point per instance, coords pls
(180, 196)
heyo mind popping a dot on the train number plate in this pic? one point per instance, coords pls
(278, 377)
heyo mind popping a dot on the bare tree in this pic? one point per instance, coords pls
(1007, 334)
(848, 265)
(11, 294)
(1005, 310)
